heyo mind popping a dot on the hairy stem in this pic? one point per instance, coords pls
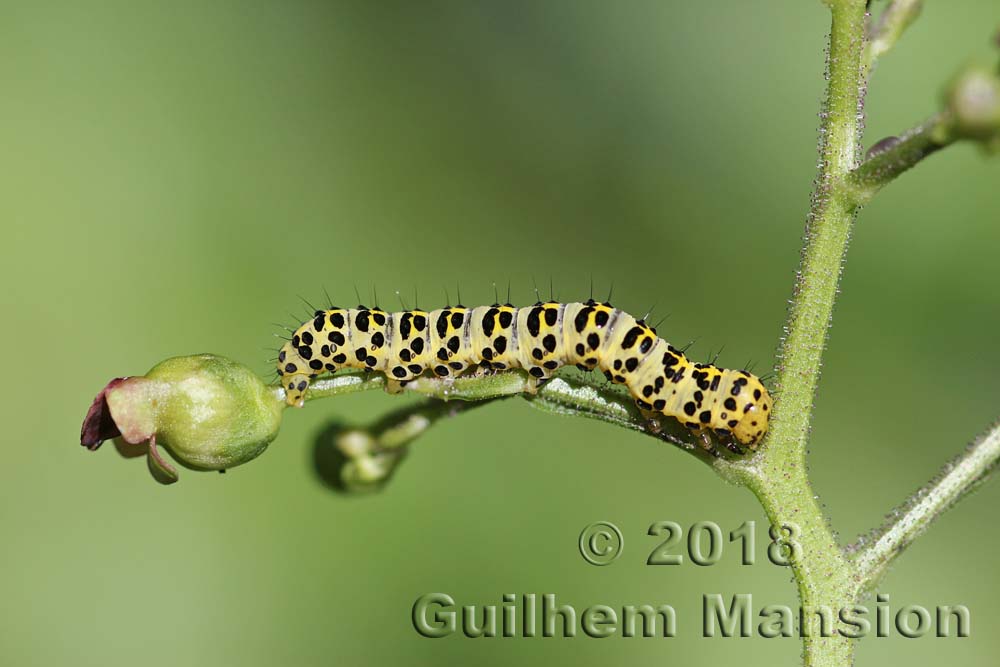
(890, 157)
(911, 519)
(777, 475)
(570, 396)
(886, 31)
(827, 233)
(822, 575)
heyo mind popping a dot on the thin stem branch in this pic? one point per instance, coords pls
(362, 458)
(891, 156)
(911, 519)
(889, 27)
(568, 396)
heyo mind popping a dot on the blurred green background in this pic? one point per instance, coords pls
(176, 174)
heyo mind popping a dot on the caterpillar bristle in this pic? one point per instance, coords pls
(648, 313)
(401, 302)
(716, 356)
(306, 302)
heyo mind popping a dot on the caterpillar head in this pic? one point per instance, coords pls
(756, 411)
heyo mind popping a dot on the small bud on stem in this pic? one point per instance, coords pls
(973, 98)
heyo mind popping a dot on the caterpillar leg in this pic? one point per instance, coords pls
(705, 440)
(532, 384)
(733, 447)
(653, 420)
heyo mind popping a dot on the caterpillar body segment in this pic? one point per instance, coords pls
(730, 404)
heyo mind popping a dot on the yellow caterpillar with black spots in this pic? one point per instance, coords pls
(731, 404)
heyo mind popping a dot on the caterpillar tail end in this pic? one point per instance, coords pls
(295, 389)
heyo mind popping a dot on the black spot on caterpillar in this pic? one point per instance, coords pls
(731, 404)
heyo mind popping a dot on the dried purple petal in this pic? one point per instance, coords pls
(98, 425)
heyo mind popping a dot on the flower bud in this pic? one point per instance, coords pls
(211, 413)
(973, 98)
(353, 460)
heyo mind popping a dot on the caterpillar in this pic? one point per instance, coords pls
(733, 405)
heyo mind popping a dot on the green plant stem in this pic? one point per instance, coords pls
(912, 518)
(889, 27)
(401, 427)
(777, 474)
(362, 459)
(823, 576)
(885, 163)
(827, 233)
(577, 397)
